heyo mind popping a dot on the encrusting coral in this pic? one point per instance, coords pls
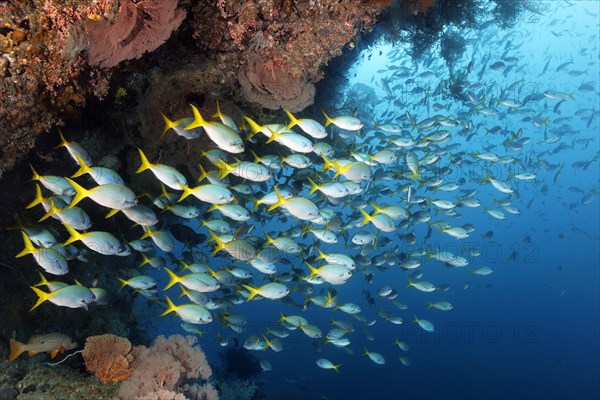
(108, 356)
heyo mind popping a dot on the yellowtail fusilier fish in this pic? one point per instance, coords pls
(76, 150)
(300, 207)
(308, 126)
(225, 119)
(292, 141)
(71, 296)
(381, 221)
(56, 184)
(209, 193)
(160, 238)
(335, 274)
(244, 169)
(164, 173)
(239, 249)
(140, 282)
(356, 171)
(272, 291)
(178, 127)
(222, 135)
(440, 305)
(422, 286)
(191, 313)
(283, 243)
(49, 259)
(198, 281)
(348, 123)
(427, 326)
(337, 258)
(101, 175)
(100, 242)
(233, 211)
(140, 214)
(74, 216)
(375, 357)
(331, 189)
(111, 195)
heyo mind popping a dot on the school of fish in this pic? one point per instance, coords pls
(291, 210)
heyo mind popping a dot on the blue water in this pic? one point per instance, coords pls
(530, 329)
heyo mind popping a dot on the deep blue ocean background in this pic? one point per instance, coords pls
(532, 328)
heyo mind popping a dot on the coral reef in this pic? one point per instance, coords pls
(43, 382)
(139, 28)
(269, 84)
(42, 74)
(282, 46)
(108, 356)
(269, 52)
(167, 370)
(47, 49)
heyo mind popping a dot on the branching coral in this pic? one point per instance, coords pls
(108, 356)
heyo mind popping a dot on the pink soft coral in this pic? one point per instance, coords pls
(166, 370)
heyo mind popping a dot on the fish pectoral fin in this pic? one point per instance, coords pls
(53, 353)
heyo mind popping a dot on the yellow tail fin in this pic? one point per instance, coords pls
(39, 198)
(328, 120)
(173, 278)
(280, 200)
(224, 169)
(274, 136)
(203, 173)
(293, 120)
(186, 192)
(218, 113)
(253, 291)
(80, 192)
(314, 186)
(83, 167)
(366, 217)
(36, 176)
(75, 236)
(123, 282)
(198, 120)
(168, 124)
(255, 128)
(220, 243)
(42, 297)
(63, 141)
(51, 211)
(28, 246)
(170, 307)
(43, 281)
(145, 163)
